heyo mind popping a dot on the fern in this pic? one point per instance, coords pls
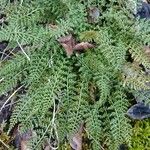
(93, 128)
(134, 77)
(12, 72)
(120, 129)
(89, 88)
(77, 113)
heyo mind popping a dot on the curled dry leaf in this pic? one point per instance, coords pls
(76, 140)
(68, 43)
(83, 46)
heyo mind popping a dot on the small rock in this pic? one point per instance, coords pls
(139, 111)
(144, 11)
(93, 14)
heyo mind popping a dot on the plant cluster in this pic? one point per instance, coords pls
(89, 87)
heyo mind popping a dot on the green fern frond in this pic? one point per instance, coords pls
(94, 129)
(11, 73)
(79, 109)
(46, 91)
(139, 55)
(134, 77)
(120, 127)
(142, 96)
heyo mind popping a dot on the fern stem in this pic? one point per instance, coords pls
(23, 51)
(10, 97)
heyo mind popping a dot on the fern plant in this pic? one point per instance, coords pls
(58, 95)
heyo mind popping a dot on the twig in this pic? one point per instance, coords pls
(7, 55)
(12, 103)
(1, 80)
(4, 144)
(3, 53)
(23, 51)
(10, 97)
(21, 2)
(54, 128)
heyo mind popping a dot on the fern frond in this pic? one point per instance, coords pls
(68, 97)
(120, 127)
(139, 55)
(11, 73)
(79, 109)
(24, 16)
(37, 65)
(115, 55)
(47, 91)
(142, 96)
(134, 77)
(94, 128)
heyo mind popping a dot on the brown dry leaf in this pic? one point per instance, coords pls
(83, 46)
(76, 140)
(68, 43)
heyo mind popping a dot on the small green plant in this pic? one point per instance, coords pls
(141, 136)
(90, 85)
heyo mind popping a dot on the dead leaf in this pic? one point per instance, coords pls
(76, 140)
(68, 43)
(83, 46)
